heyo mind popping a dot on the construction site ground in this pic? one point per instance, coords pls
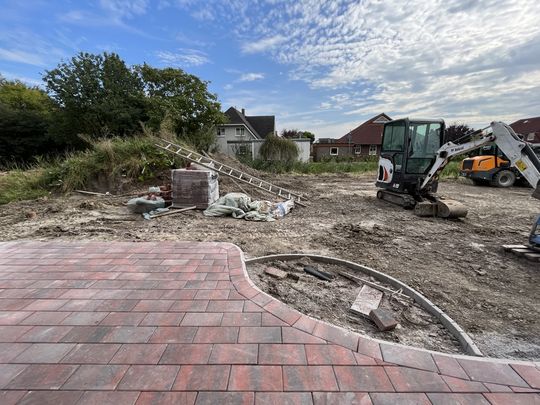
(457, 264)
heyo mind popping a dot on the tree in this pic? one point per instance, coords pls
(185, 99)
(294, 133)
(96, 95)
(279, 149)
(456, 131)
(25, 114)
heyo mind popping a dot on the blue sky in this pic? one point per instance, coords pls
(323, 66)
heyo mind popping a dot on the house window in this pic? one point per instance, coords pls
(530, 137)
(333, 151)
(220, 131)
(358, 150)
(240, 131)
(372, 149)
(243, 150)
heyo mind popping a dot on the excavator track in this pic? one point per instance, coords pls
(403, 200)
(439, 207)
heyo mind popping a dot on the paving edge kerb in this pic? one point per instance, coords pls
(465, 341)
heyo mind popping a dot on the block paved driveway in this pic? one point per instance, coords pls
(174, 322)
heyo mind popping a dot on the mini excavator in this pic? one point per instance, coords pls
(413, 156)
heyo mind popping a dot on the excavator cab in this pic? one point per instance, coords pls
(409, 148)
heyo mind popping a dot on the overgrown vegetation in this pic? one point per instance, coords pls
(277, 149)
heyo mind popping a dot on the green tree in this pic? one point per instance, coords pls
(25, 114)
(96, 95)
(294, 133)
(275, 148)
(185, 100)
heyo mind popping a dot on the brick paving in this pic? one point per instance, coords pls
(175, 322)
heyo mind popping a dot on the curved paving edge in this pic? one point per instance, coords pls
(453, 327)
(151, 322)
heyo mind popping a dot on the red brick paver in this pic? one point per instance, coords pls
(181, 323)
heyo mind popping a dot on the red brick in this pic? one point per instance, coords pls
(271, 320)
(405, 356)
(146, 295)
(411, 380)
(293, 335)
(186, 354)
(123, 318)
(9, 371)
(461, 399)
(225, 306)
(270, 334)
(305, 324)
(51, 397)
(42, 376)
(139, 354)
(202, 319)
(117, 305)
(283, 312)
(285, 398)
(108, 398)
(44, 353)
(449, 366)
(217, 334)
(390, 398)
(338, 398)
(212, 294)
(497, 387)
(497, 373)
(178, 295)
(459, 385)
(189, 306)
(96, 377)
(87, 334)
(237, 398)
(91, 353)
(13, 317)
(383, 318)
(362, 378)
(166, 398)
(145, 378)
(79, 293)
(172, 334)
(11, 397)
(282, 354)
(329, 354)
(45, 334)
(262, 299)
(84, 318)
(162, 319)
(200, 378)
(153, 305)
(309, 378)
(241, 319)
(363, 360)
(9, 351)
(336, 335)
(276, 273)
(252, 307)
(45, 318)
(129, 334)
(255, 378)
(82, 305)
(13, 304)
(234, 354)
(529, 373)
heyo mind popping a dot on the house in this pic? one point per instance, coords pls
(529, 128)
(364, 140)
(243, 135)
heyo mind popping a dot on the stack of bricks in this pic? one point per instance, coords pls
(197, 188)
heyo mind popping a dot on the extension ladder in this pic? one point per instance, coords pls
(230, 171)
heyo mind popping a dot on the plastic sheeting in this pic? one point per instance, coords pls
(239, 205)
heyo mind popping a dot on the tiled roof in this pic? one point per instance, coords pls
(368, 133)
(528, 126)
(260, 125)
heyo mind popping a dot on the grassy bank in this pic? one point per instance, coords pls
(105, 165)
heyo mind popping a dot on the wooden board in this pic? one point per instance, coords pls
(510, 247)
(368, 298)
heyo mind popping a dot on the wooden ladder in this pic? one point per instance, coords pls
(229, 171)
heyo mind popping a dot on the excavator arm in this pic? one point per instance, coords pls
(520, 154)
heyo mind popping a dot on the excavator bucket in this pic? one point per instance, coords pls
(442, 208)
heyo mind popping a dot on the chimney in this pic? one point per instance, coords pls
(243, 112)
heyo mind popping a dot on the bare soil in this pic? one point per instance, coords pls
(331, 302)
(457, 264)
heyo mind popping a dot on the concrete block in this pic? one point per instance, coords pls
(368, 298)
(383, 319)
(276, 273)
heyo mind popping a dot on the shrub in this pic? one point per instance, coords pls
(275, 148)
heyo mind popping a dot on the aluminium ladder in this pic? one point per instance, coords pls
(236, 174)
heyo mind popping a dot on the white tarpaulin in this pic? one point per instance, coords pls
(239, 205)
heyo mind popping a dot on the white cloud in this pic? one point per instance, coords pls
(263, 45)
(183, 57)
(250, 77)
(124, 8)
(15, 55)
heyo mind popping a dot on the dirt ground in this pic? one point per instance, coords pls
(331, 301)
(457, 264)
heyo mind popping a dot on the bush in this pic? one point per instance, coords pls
(277, 149)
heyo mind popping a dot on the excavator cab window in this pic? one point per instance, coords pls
(394, 143)
(424, 141)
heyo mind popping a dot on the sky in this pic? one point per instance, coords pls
(319, 66)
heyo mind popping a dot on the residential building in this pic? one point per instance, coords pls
(364, 140)
(529, 128)
(244, 135)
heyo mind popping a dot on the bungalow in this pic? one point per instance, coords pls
(243, 135)
(529, 128)
(364, 140)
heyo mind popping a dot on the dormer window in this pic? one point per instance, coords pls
(240, 131)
